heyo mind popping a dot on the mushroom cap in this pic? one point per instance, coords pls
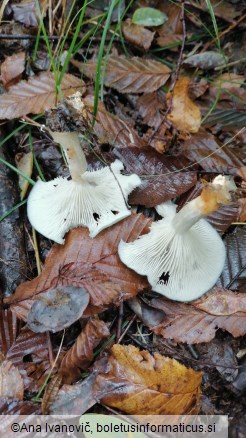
(180, 266)
(97, 201)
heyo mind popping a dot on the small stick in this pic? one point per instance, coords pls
(119, 325)
(127, 328)
(5, 36)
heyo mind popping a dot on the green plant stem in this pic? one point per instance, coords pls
(19, 172)
(12, 209)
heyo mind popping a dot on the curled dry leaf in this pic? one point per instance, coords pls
(57, 309)
(80, 354)
(130, 75)
(51, 392)
(12, 67)
(185, 114)
(11, 383)
(24, 164)
(92, 264)
(36, 95)
(159, 184)
(138, 383)
(187, 323)
(137, 35)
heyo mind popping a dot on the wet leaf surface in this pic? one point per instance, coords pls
(206, 60)
(160, 179)
(92, 264)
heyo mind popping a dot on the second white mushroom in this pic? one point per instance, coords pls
(182, 255)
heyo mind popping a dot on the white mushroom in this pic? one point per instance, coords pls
(94, 199)
(182, 255)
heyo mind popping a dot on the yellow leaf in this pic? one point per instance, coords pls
(185, 114)
(138, 383)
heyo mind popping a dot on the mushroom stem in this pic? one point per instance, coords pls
(74, 154)
(212, 197)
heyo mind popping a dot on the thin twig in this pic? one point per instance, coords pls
(176, 73)
(120, 320)
(5, 36)
(127, 328)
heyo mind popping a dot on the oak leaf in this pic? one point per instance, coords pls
(130, 75)
(185, 114)
(35, 95)
(138, 383)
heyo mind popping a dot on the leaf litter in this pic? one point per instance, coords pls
(173, 131)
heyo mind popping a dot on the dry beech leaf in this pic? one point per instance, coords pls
(222, 302)
(137, 35)
(185, 114)
(36, 95)
(93, 264)
(201, 147)
(12, 67)
(51, 392)
(130, 75)
(186, 323)
(11, 383)
(138, 383)
(242, 209)
(169, 40)
(80, 354)
(110, 128)
(57, 309)
(160, 188)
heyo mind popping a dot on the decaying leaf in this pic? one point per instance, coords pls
(92, 264)
(80, 354)
(35, 95)
(203, 148)
(130, 75)
(186, 323)
(51, 392)
(9, 328)
(11, 383)
(222, 302)
(206, 60)
(234, 273)
(185, 114)
(12, 67)
(18, 407)
(57, 309)
(137, 35)
(110, 128)
(159, 184)
(138, 383)
(25, 165)
(242, 209)
(149, 106)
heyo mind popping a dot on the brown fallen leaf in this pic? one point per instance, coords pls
(51, 392)
(9, 406)
(130, 75)
(203, 148)
(9, 329)
(80, 355)
(57, 309)
(110, 128)
(206, 60)
(12, 67)
(186, 323)
(11, 383)
(93, 264)
(222, 302)
(137, 383)
(149, 106)
(159, 184)
(36, 95)
(137, 35)
(242, 209)
(185, 114)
